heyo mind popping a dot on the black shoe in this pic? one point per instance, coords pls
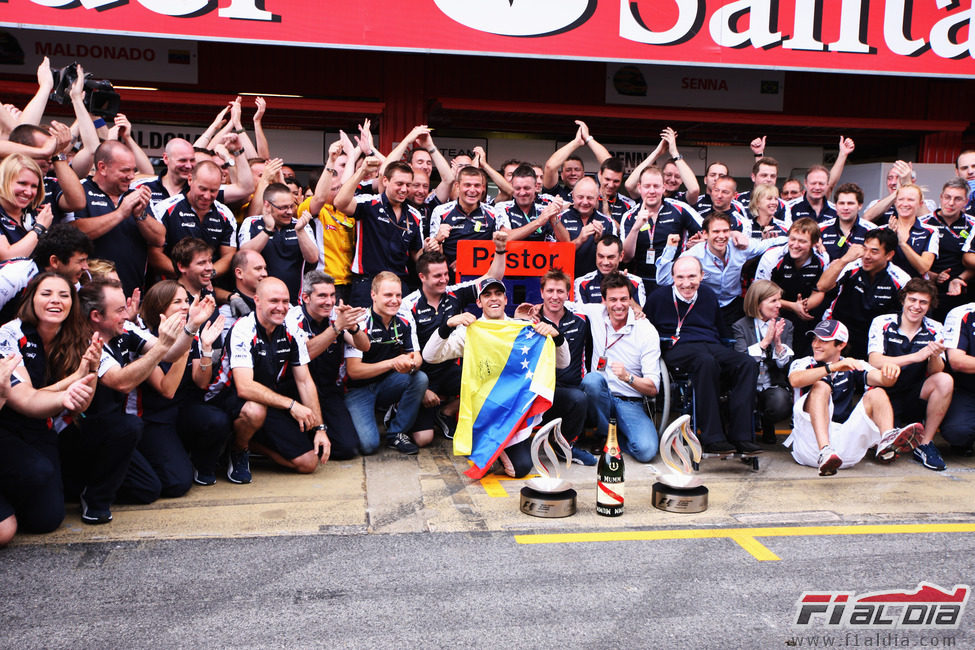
(747, 447)
(718, 448)
(768, 436)
(402, 443)
(93, 516)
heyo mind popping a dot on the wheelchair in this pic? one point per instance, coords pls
(675, 398)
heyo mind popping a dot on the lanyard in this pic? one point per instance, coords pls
(680, 319)
(606, 344)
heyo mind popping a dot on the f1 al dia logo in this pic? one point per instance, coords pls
(928, 606)
(519, 17)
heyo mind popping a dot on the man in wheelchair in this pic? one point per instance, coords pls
(689, 322)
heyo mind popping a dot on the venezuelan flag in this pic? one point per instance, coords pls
(507, 383)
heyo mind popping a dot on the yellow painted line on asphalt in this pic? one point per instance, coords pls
(492, 484)
(746, 537)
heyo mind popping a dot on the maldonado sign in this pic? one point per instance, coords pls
(920, 37)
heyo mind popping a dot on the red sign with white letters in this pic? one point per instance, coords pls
(927, 37)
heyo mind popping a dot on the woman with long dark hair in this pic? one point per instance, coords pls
(52, 384)
(183, 437)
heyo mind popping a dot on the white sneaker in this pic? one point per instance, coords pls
(829, 461)
(899, 441)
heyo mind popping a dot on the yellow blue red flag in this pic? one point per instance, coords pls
(507, 384)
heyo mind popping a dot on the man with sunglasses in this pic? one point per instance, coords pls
(287, 243)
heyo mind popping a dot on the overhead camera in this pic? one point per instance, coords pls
(100, 98)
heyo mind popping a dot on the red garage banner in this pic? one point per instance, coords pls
(919, 37)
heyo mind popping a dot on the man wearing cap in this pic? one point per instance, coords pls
(448, 343)
(829, 431)
(915, 343)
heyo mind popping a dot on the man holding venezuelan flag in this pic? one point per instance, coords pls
(507, 383)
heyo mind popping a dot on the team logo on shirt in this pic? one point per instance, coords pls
(519, 17)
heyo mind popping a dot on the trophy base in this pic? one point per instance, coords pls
(548, 504)
(671, 499)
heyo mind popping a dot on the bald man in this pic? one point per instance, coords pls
(689, 322)
(273, 402)
(198, 213)
(583, 225)
(116, 218)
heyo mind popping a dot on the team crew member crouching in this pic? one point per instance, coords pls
(325, 329)
(387, 373)
(109, 431)
(569, 402)
(448, 343)
(48, 342)
(829, 432)
(915, 343)
(274, 403)
(175, 419)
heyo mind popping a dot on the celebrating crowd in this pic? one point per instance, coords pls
(161, 325)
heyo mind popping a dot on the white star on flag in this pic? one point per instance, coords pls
(524, 364)
(524, 349)
(530, 335)
(529, 374)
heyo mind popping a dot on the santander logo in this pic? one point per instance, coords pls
(519, 17)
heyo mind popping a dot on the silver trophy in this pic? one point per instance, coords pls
(547, 495)
(679, 489)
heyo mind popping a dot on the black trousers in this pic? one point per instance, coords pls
(570, 404)
(97, 454)
(30, 479)
(205, 430)
(774, 405)
(338, 425)
(708, 364)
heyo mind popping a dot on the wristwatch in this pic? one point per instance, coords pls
(61, 157)
(355, 331)
(630, 379)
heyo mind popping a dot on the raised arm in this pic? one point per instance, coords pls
(34, 111)
(504, 187)
(345, 199)
(550, 171)
(242, 189)
(324, 194)
(142, 162)
(263, 151)
(836, 171)
(204, 140)
(633, 180)
(686, 173)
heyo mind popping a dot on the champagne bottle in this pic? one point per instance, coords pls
(609, 477)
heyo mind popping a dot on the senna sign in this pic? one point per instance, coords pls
(923, 37)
